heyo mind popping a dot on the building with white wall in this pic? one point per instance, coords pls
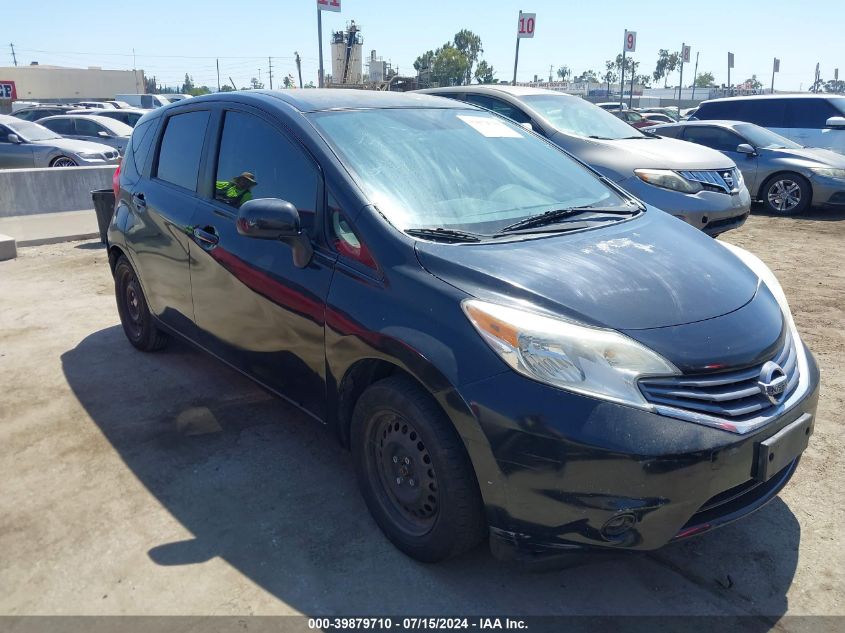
(38, 82)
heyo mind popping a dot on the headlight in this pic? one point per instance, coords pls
(91, 155)
(668, 179)
(595, 362)
(829, 172)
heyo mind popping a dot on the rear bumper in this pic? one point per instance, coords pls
(572, 468)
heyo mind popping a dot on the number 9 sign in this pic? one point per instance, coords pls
(525, 26)
(630, 41)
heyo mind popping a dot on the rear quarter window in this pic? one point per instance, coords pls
(809, 113)
(138, 149)
(181, 149)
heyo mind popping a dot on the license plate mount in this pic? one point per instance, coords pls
(776, 452)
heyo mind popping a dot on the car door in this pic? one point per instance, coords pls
(807, 120)
(88, 130)
(161, 207)
(13, 155)
(253, 307)
(724, 141)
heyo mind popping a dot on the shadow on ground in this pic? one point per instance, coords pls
(270, 491)
(820, 214)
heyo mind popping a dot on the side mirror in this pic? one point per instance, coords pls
(837, 122)
(14, 138)
(745, 148)
(274, 219)
(103, 134)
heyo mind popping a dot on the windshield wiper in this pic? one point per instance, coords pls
(443, 235)
(555, 215)
(601, 138)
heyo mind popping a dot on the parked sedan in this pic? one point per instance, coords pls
(88, 127)
(510, 345)
(784, 176)
(657, 117)
(36, 113)
(128, 116)
(27, 144)
(697, 185)
(634, 119)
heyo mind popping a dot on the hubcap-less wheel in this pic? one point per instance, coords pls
(63, 162)
(784, 195)
(133, 307)
(406, 474)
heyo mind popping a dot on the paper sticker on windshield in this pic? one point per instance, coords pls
(490, 127)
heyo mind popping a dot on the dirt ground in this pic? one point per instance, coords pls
(168, 484)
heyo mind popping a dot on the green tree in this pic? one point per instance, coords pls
(255, 84)
(755, 83)
(588, 76)
(226, 88)
(484, 73)
(469, 44)
(188, 85)
(563, 72)
(150, 85)
(450, 65)
(310, 84)
(288, 81)
(704, 80)
(610, 75)
(834, 85)
(666, 63)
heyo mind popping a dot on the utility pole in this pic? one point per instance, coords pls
(234, 87)
(320, 43)
(299, 68)
(633, 74)
(730, 65)
(14, 58)
(622, 74)
(259, 76)
(775, 69)
(550, 72)
(270, 62)
(218, 75)
(695, 74)
(516, 55)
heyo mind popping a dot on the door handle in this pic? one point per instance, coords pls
(206, 238)
(139, 200)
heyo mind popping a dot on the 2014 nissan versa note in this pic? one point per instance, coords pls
(509, 344)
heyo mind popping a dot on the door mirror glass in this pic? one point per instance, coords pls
(275, 219)
(745, 148)
(14, 138)
(103, 134)
(836, 122)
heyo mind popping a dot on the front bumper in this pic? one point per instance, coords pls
(829, 192)
(570, 466)
(710, 211)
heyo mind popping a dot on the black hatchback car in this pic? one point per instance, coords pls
(508, 343)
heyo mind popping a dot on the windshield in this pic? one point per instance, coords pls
(29, 131)
(577, 116)
(762, 138)
(458, 169)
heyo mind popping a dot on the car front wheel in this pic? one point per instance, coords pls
(414, 473)
(63, 161)
(787, 194)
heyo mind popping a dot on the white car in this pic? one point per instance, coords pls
(811, 120)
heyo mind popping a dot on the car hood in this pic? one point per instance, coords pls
(618, 158)
(74, 145)
(823, 157)
(651, 272)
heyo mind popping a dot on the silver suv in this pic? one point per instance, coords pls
(698, 185)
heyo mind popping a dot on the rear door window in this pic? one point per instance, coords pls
(181, 149)
(60, 126)
(257, 161)
(85, 127)
(809, 113)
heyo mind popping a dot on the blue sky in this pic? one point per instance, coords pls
(171, 38)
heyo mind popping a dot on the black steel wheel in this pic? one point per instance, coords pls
(138, 323)
(414, 473)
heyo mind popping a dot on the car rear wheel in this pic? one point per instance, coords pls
(414, 473)
(787, 194)
(138, 324)
(63, 161)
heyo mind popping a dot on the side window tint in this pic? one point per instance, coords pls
(84, 127)
(4, 134)
(499, 107)
(713, 137)
(808, 113)
(257, 161)
(137, 150)
(181, 147)
(146, 101)
(59, 126)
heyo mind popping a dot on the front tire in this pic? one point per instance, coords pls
(138, 323)
(63, 161)
(414, 473)
(786, 194)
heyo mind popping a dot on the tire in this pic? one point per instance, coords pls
(63, 161)
(400, 433)
(786, 194)
(138, 323)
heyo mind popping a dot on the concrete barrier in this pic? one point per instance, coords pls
(51, 189)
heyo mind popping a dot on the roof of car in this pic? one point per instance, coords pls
(320, 99)
(516, 91)
(5, 118)
(797, 95)
(714, 122)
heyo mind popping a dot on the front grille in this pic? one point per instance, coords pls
(732, 395)
(724, 180)
(726, 222)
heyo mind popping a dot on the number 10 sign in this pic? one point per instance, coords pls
(525, 26)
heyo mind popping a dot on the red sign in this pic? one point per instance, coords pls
(328, 5)
(7, 90)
